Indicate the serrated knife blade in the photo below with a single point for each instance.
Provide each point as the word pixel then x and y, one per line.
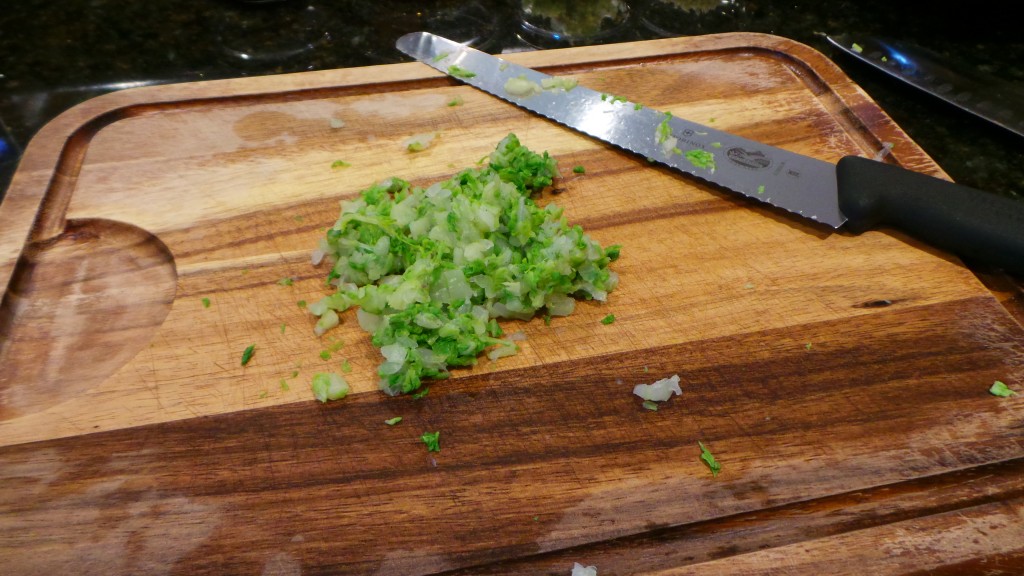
pixel 858 193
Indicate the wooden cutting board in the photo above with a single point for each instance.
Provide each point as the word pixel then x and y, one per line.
pixel 841 381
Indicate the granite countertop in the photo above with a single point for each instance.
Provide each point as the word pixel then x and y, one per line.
pixel 52 58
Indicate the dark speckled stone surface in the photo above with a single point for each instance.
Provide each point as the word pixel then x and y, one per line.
pixel 54 55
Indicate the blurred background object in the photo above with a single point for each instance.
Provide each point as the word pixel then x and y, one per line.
pixel 52 59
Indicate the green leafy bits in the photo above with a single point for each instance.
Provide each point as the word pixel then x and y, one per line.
pixel 206 302
pixel 440 56
pixel 340 164
pixel 329 386
pixel 579 170
pixel 460 72
pixel 286 281
pixel 608 319
pixel 432 440
pixel 701 158
pixel 521 87
pixel 431 271
pixel 393 421
pixel 708 458
pixel 248 353
pixel 457 101
pixel 1000 389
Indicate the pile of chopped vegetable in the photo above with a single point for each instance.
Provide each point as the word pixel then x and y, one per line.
pixel 431 270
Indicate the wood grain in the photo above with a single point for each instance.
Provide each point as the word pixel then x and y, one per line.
pixel 841 381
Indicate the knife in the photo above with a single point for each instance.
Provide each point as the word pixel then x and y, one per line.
pixel 987 97
pixel 856 193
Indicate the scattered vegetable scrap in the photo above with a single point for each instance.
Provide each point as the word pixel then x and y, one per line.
pixel 432 440
pixel 559 83
pixel 420 142
pixel 708 458
pixel 760 189
pixel 432 270
pixel 421 393
pixel 440 56
pixel 337 123
pixel 704 159
pixel 579 170
pixel 581 570
pixel 659 391
pixel 393 421
pixel 301 303
pixel 460 72
pixel 286 281
pixel 1002 390
pixel 325 355
pixel 248 353
pixel 206 302
pixel 608 319
pixel 340 164
pixel 457 101
pixel 329 386
pixel 650 405
pixel 346 366
pixel 521 87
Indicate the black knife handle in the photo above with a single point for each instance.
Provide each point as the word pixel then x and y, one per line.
pixel 978 226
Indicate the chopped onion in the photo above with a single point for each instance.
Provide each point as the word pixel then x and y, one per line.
pixel 581 570
pixel 659 391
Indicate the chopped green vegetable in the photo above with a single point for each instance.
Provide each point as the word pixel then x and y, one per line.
pixel 460 72
pixel 708 458
pixel 807 346
pixel 604 97
pixel 663 136
pixel 299 218
pixel 579 170
pixel 432 440
pixel 618 99
pixel 295 373
pixel 701 158
pixel 440 56
pixel 301 303
pixel 608 319
pixel 521 87
pixel 457 101
pixel 286 282
pixel 716 144
pixel 638 106
pixel 503 66
pixel 650 405
pixel 247 354
pixel 420 142
pixel 329 386
pixel 885 59
pixel 263 393
pixel 283 326
pixel 423 392
pixel 393 421
pixel 1002 390
pixel 346 366
pixel 432 270
pixel 559 83
pixel 760 189
pixel 206 302
pixel 340 164
pixel 325 355
pixel 336 345
pixel 857 48
pixel 284 385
